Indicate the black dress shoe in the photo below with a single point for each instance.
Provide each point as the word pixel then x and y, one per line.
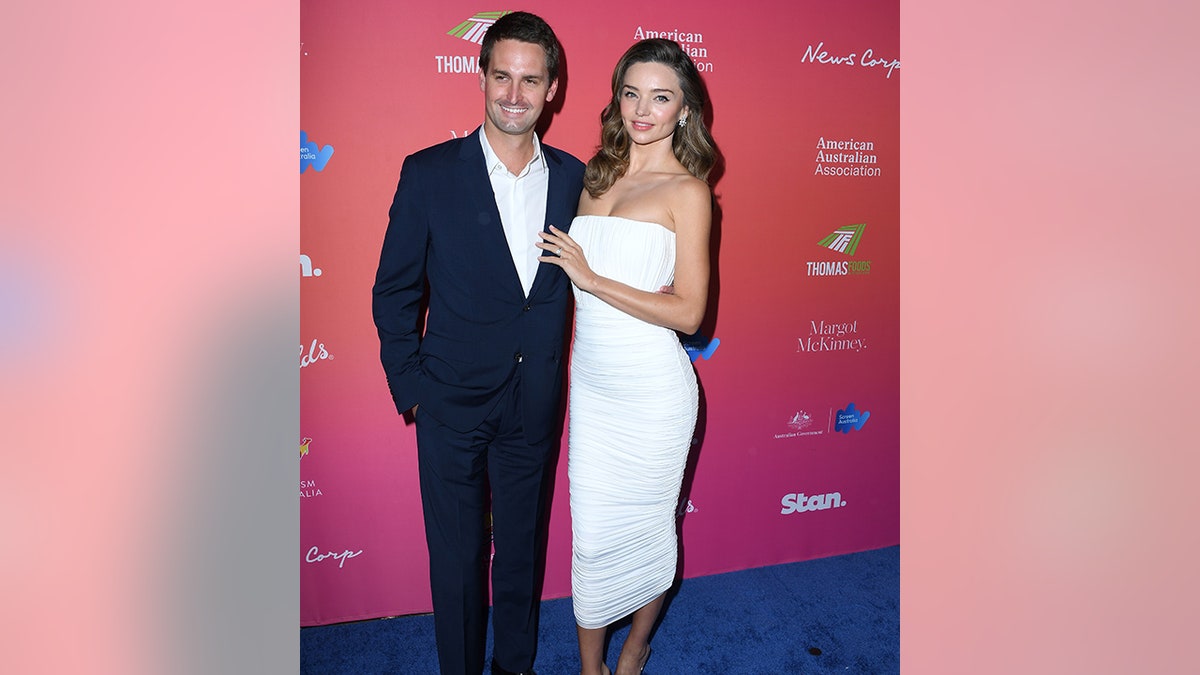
pixel 497 670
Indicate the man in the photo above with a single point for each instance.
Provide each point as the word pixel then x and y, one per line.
pixel 485 380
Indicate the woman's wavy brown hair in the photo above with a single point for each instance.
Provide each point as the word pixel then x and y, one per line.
pixel 693 145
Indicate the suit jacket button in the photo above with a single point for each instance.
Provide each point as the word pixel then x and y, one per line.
pixel 526 308
pixel 519 357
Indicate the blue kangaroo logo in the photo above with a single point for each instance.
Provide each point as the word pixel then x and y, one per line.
pixel 700 346
pixel 310 155
pixel 853 419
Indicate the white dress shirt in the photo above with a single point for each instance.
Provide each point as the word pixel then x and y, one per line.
pixel 521 200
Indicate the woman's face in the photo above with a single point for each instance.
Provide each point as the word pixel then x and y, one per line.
pixel 651 102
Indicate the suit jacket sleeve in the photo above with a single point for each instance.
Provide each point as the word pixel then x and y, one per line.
pixel 399 287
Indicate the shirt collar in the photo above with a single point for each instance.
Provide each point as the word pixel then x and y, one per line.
pixel 493 161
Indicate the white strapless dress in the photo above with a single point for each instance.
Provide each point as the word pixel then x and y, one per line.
pixel 633 398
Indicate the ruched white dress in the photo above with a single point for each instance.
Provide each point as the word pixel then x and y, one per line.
pixel 633 398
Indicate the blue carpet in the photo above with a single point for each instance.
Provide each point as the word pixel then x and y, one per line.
pixel 832 615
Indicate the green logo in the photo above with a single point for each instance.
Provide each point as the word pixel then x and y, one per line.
pixel 844 239
pixel 473 29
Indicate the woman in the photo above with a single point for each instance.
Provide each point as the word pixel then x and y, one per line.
pixel 643 223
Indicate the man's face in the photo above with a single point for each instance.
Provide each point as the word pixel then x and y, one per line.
pixel 516 87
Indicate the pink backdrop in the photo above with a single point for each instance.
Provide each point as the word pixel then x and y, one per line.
pixel 805 109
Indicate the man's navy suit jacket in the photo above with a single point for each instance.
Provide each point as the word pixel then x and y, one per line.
pixel 444 227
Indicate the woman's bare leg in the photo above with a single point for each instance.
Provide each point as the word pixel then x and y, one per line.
pixel 636 649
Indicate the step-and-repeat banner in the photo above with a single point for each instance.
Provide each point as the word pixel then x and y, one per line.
pixel 797 448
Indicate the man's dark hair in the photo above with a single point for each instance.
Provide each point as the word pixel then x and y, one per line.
pixel 524 27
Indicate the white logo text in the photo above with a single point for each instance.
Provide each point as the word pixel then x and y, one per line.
pixel 306 267
pixel 798 502
pixel 342 557
pixel 819 55
pixel 316 352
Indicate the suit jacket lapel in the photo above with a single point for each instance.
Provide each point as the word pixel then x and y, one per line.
pixel 554 196
pixel 480 188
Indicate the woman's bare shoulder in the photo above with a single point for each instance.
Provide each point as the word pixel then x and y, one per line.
pixel 687 189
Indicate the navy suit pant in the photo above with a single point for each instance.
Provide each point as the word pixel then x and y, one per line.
pixel 456 470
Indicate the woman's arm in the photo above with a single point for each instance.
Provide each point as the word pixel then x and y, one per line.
pixel 690 206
